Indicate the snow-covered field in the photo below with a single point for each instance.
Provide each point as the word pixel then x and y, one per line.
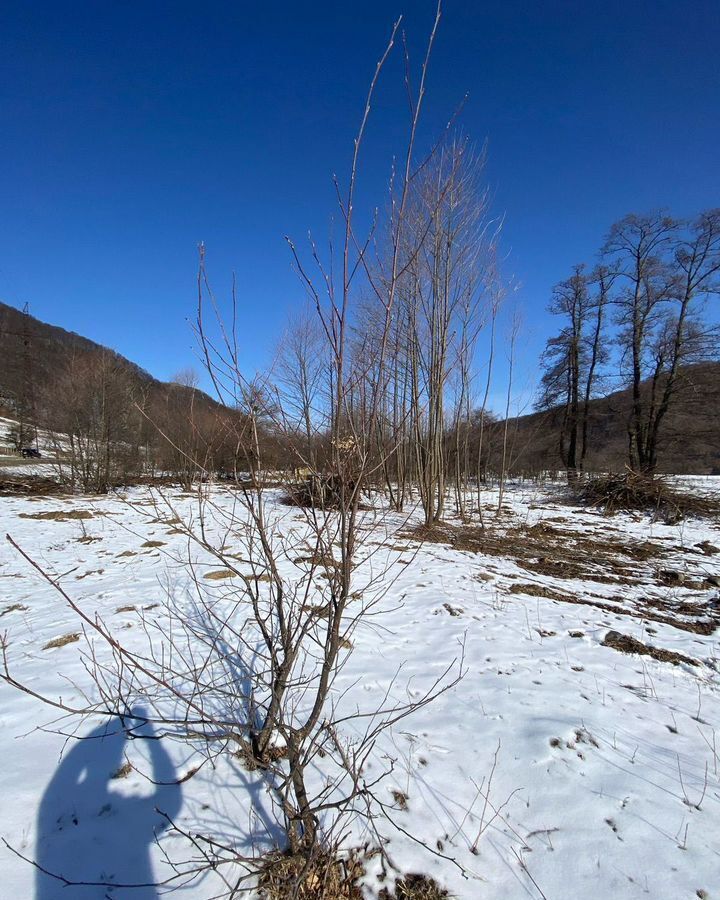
pixel 558 767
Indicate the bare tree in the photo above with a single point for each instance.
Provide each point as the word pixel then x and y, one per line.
pixel 664 274
pixel 94 422
pixel 514 331
pixel 571 360
pixel 443 293
pixel 252 668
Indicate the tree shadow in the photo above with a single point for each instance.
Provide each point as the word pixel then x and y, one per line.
pixel 98 838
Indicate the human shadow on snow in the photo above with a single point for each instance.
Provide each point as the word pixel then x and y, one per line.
pixel 97 838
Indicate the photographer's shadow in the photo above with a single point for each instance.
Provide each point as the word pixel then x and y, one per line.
pixel 94 843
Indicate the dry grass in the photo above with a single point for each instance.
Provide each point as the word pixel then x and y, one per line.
pixel 415 887
pixel 58 515
pixel 14 607
pixel 219 574
pixel 401 800
pixel 705 618
pixel 627 644
pixel 62 641
pixel 319 876
pixel 547 550
pixel 631 491
pixel 30 487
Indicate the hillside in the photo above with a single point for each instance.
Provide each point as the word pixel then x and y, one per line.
pixel 690 442
pixel 33 354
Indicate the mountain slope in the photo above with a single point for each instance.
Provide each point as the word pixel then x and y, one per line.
pixel 33 354
pixel 690 436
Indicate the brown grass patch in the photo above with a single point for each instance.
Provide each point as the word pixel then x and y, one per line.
pixel 453 610
pixel 627 644
pixel 14 607
pixel 632 491
pixel 153 544
pixel 219 574
pixel 707 548
pixel 58 515
pixel 321 610
pixel 88 573
pixel 706 621
pixel 320 560
pixel 401 800
pixel 415 887
pixel 33 487
pixel 317 876
pixel 538 590
pixel 123 771
pixel 62 641
pixel 547 550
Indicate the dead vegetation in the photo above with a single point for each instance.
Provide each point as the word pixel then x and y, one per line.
pixel 58 515
pixel 547 550
pixel 62 641
pixel 632 491
pixel 36 486
pixel 705 622
pixel 14 607
pixel 627 644
pixel 415 887
pixel 317 876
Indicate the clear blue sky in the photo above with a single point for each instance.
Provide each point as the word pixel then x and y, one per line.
pixel 130 132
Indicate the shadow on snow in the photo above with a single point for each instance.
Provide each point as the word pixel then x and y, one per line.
pixel 88 832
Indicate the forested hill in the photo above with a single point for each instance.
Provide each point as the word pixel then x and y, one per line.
pixel 689 442
pixel 33 355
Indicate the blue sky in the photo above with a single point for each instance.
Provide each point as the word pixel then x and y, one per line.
pixel 130 132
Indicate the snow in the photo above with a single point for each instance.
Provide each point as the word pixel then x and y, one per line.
pixel 557 767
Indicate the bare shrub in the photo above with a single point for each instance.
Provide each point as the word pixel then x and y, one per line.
pixel 630 491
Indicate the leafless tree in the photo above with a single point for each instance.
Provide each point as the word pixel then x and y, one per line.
pixel 514 332
pixel 93 422
pixel 251 667
pixel 666 267
pixel 572 357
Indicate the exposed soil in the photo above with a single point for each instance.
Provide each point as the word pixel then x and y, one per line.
pixel 627 644
pixel 706 625
pixel 548 550
pixel 58 515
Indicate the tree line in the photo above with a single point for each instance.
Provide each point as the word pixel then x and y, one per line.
pixel 645 300
pixel 419 379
